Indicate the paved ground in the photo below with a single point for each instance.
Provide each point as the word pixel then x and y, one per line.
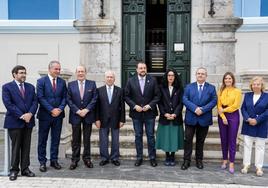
pixel 129 176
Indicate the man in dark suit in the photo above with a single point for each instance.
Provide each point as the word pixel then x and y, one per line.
pixel 110 115
pixel 81 98
pixel 51 94
pixel 142 95
pixel 20 101
pixel 199 99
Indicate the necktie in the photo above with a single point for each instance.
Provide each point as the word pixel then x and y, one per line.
pixel 54 84
pixel 81 89
pixel 22 92
pixel 142 85
pixel 110 94
pixel 200 90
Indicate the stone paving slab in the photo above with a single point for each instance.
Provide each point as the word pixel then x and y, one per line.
pixel 24 182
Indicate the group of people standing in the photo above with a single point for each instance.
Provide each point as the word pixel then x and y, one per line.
pixel 105 106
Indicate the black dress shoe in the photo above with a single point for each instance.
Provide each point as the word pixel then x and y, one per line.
pixel 138 162
pixel 185 165
pixel 88 164
pixel 28 173
pixel 43 168
pixel 55 165
pixel 199 164
pixel 104 162
pixel 13 176
pixel 153 162
pixel 116 162
pixel 73 165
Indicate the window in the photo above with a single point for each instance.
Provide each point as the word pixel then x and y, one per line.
pixel 250 8
pixel 33 9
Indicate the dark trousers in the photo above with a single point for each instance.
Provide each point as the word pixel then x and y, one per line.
pixel 21 144
pixel 104 144
pixel 55 125
pixel 228 135
pixel 76 141
pixel 201 133
pixel 149 129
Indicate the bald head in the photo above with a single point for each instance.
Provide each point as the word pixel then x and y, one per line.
pixel 81 72
pixel 109 77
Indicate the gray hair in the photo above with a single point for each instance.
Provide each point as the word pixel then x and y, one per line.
pixel 203 68
pixel 109 72
pixel 51 63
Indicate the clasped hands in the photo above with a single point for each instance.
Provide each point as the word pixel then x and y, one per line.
pixel 170 116
pixel 142 109
pixel 252 121
pixel 198 111
pixel 26 117
pixel 83 112
pixel 56 112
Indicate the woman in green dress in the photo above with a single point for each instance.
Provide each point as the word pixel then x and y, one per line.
pixel 169 136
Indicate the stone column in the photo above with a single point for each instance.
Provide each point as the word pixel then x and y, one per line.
pixel 95 40
pixel 66 132
pixel 214 38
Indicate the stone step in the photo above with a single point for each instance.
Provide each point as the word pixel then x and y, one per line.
pixel 130 153
pixel 128 130
pixel 129 142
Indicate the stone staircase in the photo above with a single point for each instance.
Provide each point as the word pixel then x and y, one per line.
pixel 212 147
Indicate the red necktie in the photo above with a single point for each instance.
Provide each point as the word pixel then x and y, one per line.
pixel 22 92
pixel 54 84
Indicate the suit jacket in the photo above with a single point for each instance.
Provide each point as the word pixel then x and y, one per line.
pixel 170 104
pixel 112 114
pixel 16 105
pixel 134 96
pixel 207 102
pixel 259 111
pixel 48 99
pixel 76 103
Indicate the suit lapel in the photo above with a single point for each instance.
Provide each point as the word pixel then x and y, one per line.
pixel 146 84
pixel 105 94
pixel 16 88
pixel 138 84
pixel 50 84
pixel 259 100
pixel 114 94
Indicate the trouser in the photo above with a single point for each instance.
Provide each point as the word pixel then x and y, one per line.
pixel 104 143
pixel 76 141
pixel 259 150
pixel 55 125
pixel 228 134
pixel 149 129
pixel 21 144
pixel 201 133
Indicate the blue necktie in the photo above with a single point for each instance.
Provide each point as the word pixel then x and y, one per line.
pixel 200 90
pixel 110 94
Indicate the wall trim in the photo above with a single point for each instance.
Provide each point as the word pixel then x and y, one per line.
pixel 254 24
pixel 37 26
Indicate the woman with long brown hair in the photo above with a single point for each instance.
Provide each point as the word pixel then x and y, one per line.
pixel 229 99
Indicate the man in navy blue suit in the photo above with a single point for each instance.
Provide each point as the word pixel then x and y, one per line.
pixel 81 98
pixel 199 99
pixel 20 101
pixel 142 94
pixel 51 94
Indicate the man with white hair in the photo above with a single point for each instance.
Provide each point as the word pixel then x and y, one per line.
pixel 110 115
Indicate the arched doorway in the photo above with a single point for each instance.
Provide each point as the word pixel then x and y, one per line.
pixel 159 33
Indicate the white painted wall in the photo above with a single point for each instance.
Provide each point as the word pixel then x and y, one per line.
pixel 252 45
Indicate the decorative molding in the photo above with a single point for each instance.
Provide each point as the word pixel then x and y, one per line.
pixel 219 24
pixel 37 26
pixel 254 24
pixel 95 26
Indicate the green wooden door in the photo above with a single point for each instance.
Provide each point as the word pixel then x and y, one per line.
pixel 179 37
pixel 133 37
